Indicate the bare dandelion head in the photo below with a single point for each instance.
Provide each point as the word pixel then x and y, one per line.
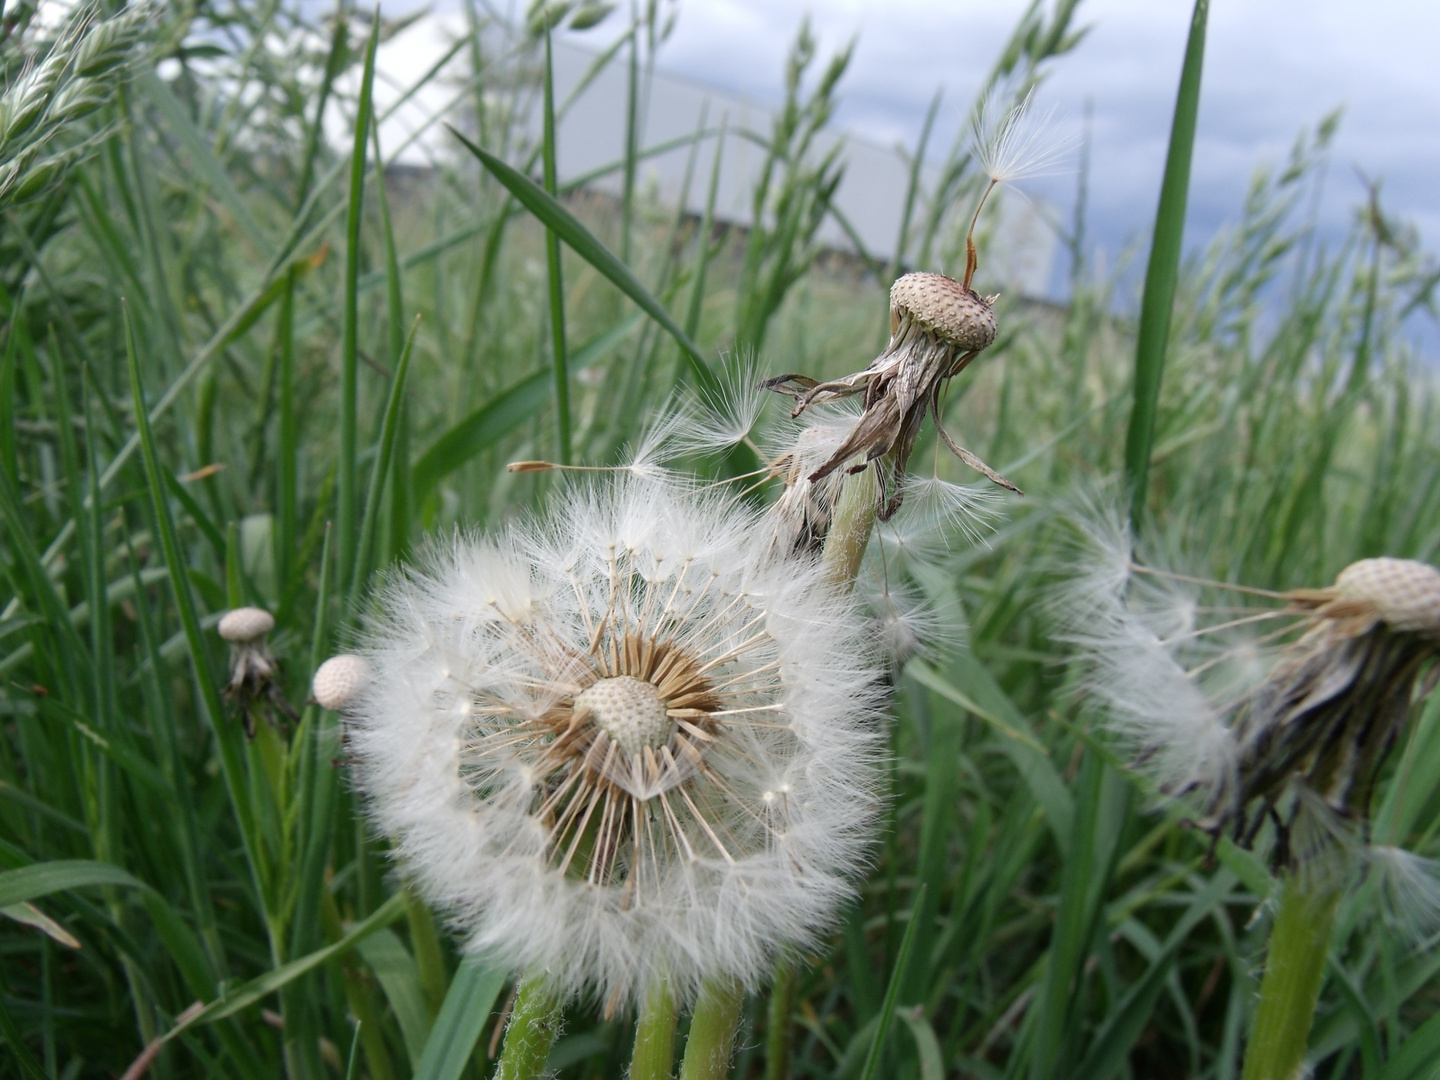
pixel 253 670
pixel 619 745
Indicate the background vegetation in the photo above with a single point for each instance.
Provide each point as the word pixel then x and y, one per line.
pixel 242 367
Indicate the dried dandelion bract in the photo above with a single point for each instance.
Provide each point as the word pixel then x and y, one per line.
pixel 1257 705
pixel 620 745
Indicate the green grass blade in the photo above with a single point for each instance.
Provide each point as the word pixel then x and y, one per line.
pixel 346 478
pixel 243 997
pixel 1128 1018
pixel 927 1045
pixel 892 992
pixel 584 243
pixel 226 734
pixel 1162 273
pixel 383 455
pixel 395 969
pixel 42 879
pixel 504 413
pixel 552 266
pixel 395 330
pixel 1415 1060
pixel 461 1021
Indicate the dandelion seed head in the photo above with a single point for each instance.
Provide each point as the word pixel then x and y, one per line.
pixel 655 758
pixel 1261 706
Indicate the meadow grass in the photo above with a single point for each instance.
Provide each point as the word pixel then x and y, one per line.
pixel 241 367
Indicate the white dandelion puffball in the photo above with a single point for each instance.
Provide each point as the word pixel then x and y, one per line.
pixel 619 744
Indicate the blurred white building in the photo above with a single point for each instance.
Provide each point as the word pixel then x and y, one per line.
pixel 591 136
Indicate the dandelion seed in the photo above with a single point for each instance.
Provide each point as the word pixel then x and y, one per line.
pixel 1013 142
pixel 726 417
pixel 620 745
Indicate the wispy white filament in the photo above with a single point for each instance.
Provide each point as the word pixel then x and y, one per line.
pixel 548 844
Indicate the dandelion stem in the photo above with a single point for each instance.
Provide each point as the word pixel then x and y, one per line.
pixel 712 1031
pixel 1294 969
pixel 781 1036
pixel 850 530
pixel 534 1024
pixel 655 1036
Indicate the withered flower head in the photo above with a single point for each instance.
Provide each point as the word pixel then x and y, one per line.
pixel 937 326
pixel 253 670
pixel 1292 725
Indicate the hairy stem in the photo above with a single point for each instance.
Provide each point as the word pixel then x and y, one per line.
pixel 850 529
pixel 534 1024
pixel 655 1036
pixel 1294 970
pixel 781 1035
pixel 712 1031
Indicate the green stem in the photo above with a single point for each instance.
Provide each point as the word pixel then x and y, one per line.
pixel 780 1037
pixel 1294 970
pixel 655 1036
pixel 850 529
pixel 712 1031
pixel 534 1024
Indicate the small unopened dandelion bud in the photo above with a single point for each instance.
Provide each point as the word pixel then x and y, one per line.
pixel 956 315
pixel 1405 593
pixel 246 624
pixel 338 680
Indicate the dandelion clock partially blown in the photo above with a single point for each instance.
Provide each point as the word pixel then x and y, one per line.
pixel 620 745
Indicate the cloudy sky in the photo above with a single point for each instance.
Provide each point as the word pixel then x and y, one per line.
pixel 1271 70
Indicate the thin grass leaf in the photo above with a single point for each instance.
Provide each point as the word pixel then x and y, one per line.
pixel 1158 300
pixel 462 1020
pixel 32 882
pixel 892 994
pixel 242 997
pixel 552 266
pixel 225 734
pixel 346 476
pixel 504 413
pixel 384 453
pixel 555 217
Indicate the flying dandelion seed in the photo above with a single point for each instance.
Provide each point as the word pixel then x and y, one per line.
pixel 619 745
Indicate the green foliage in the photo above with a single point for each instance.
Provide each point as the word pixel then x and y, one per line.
pixel 214 391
